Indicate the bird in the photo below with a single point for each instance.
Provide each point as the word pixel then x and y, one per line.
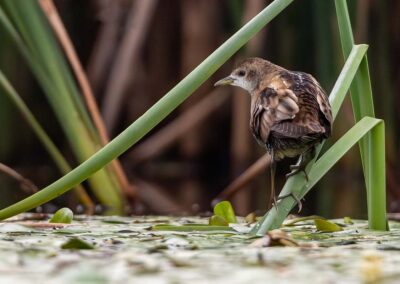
pixel 290 113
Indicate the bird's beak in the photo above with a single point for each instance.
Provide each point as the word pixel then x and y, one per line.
pixel 226 81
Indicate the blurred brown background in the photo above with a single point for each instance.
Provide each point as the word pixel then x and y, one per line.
pixel 135 51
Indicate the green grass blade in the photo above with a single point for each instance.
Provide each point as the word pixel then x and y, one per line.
pixel 361 93
pixel 377 219
pixel 273 219
pixel 346 77
pixel 345 30
pixel 362 103
pixel 153 116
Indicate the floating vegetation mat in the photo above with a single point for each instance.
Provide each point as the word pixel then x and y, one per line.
pixel 148 250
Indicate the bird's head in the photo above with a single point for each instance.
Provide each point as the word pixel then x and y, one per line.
pixel 248 74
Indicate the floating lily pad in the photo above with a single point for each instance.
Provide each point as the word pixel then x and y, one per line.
pixel 218 221
pixel 327 226
pixel 76 243
pixel 192 228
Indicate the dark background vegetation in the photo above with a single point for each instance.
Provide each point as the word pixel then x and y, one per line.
pixel 156 43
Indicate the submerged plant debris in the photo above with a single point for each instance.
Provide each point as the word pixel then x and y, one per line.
pixel 129 250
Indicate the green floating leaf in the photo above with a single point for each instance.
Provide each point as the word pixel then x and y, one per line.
pixel 76 243
pixel 115 220
pixel 348 221
pixel 294 221
pixel 71 231
pixel 225 210
pixel 326 226
pixel 64 215
pixel 191 228
pixel 217 221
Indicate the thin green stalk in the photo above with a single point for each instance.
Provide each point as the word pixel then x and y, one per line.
pixel 377 219
pixel 363 105
pixel 51 148
pixel 347 41
pixel 274 218
pixel 152 116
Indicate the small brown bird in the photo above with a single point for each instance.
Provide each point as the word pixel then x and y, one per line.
pixel 290 112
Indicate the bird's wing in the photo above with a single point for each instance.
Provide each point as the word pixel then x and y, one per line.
pixel 292 130
pixel 291 105
pixel 314 116
pixel 269 107
pixel 305 83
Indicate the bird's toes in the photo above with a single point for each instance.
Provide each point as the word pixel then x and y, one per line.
pixel 292 173
pixel 296 169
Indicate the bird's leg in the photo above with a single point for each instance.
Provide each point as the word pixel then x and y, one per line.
pixel 298 167
pixel 272 198
pixel 302 162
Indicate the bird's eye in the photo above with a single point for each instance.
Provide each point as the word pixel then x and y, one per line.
pixel 241 73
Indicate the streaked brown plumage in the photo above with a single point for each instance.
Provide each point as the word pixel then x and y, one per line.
pixel 290 112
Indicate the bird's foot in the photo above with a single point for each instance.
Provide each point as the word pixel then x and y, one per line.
pixel 298 201
pixel 295 169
